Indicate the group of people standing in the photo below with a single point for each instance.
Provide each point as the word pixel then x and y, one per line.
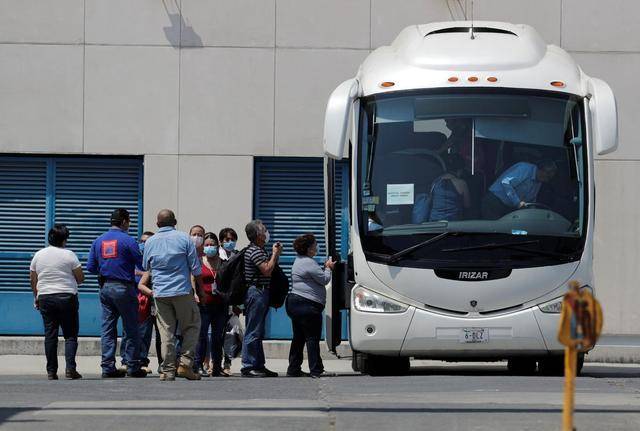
pixel 168 280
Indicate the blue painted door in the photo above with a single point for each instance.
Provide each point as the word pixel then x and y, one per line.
pixel 35 193
pixel 289 199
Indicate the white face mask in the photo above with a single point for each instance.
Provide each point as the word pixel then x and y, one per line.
pixel 197 240
pixel 267 237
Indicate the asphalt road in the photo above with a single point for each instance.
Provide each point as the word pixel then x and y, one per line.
pixel 436 396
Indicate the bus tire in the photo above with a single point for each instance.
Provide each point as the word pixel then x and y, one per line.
pixel 521 366
pixel 554 365
pixel 356 361
pixel 375 365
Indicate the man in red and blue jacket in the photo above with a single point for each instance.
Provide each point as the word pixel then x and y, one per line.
pixel 113 257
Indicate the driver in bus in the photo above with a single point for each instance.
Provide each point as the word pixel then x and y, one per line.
pixel 516 187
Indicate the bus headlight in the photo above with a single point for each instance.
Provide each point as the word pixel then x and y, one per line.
pixel 555 305
pixel 365 300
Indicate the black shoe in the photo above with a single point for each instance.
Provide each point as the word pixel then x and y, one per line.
pixel 253 373
pixel 52 376
pixel 268 373
pixel 138 374
pixel 317 376
pixel 72 374
pixel 298 373
pixel 115 374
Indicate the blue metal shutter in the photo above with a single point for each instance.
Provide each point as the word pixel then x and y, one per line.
pixel 23 216
pixel 87 191
pixel 289 199
pixel 35 193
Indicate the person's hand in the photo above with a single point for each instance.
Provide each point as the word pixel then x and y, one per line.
pixel 236 310
pixel 36 304
pixel 330 264
pixel 277 249
pixel 522 204
pixel 197 298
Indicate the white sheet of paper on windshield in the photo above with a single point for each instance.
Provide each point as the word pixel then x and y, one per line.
pixel 399 194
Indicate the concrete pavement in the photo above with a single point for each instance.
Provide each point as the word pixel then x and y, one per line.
pixel 436 396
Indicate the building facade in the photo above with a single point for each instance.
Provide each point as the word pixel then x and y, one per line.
pixel 214 108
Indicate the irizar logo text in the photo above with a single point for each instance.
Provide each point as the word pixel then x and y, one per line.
pixel 473 275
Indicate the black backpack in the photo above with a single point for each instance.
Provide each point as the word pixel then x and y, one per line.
pixel 278 287
pixel 231 280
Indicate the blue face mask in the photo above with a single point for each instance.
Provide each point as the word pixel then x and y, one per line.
pixel 141 247
pixel 229 246
pixel 211 250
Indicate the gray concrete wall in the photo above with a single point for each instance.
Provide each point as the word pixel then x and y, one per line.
pixel 199 87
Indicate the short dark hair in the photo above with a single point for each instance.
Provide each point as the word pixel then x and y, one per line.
pixel 147 233
pixel 197 226
pixel 547 164
pixel 228 231
pixel 303 243
pixel 252 229
pixel 119 217
pixel 58 234
pixel 211 235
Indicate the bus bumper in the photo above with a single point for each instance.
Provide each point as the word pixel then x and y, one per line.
pixel 424 334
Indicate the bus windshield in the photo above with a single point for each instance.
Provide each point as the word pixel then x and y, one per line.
pixel 486 166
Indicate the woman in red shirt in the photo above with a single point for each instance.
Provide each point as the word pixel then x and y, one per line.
pixel 213 310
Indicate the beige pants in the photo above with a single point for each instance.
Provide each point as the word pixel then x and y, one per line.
pixel 170 311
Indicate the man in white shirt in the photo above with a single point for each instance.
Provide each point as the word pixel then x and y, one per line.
pixel 55 273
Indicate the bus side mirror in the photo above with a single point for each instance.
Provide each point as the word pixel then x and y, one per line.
pixel 604 114
pixel 336 119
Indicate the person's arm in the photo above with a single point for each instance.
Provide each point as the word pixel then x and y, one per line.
pixel 143 285
pixel 196 268
pixel 512 178
pixel 266 267
pixel 321 275
pixel 76 268
pixel 92 262
pixel 463 189
pixel 134 249
pixel 33 278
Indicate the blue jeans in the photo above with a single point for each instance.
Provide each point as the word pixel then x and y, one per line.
pixel 256 307
pixel 214 315
pixel 119 300
pixel 146 330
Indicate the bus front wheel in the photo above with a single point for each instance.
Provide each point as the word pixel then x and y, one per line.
pixel 376 365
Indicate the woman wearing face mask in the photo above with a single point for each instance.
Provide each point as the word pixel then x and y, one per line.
pixel 213 310
pixel 228 239
pixel 233 338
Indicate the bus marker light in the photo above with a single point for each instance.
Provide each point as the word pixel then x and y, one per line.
pixel 473 79
pixel 453 79
pixel 387 84
pixel 492 79
pixel 558 84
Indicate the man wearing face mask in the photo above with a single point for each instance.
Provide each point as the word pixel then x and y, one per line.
pixel 113 257
pixel 171 258
pixel 258 267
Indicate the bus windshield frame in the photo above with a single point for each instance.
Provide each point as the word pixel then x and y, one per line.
pixel 508 127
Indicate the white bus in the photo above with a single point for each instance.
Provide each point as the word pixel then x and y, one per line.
pixel 472 194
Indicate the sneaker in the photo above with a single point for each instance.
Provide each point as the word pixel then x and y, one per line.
pixel 123 367
pixel 52 376
pixel 298 373
pixel 269 373
pixel 138 374
pixel 147 370
pixel 253 373
pixel 187 373
pixel 167 377
pixel 226 370
pixel 72 374
pixel 115 374
pixel 317 376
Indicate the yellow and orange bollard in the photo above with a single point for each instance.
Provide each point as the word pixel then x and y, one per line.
pixel 580 327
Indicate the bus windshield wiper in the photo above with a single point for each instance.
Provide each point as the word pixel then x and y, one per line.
pixel 515 245
pixel 399 255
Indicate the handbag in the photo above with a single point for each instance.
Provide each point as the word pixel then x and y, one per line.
pixel 278 287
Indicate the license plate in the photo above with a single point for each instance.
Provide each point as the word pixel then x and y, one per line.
pixel 474 335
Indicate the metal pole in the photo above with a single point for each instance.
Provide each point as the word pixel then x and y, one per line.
pixel 570 364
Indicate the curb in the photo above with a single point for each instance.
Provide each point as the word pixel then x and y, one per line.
pixel 90 346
